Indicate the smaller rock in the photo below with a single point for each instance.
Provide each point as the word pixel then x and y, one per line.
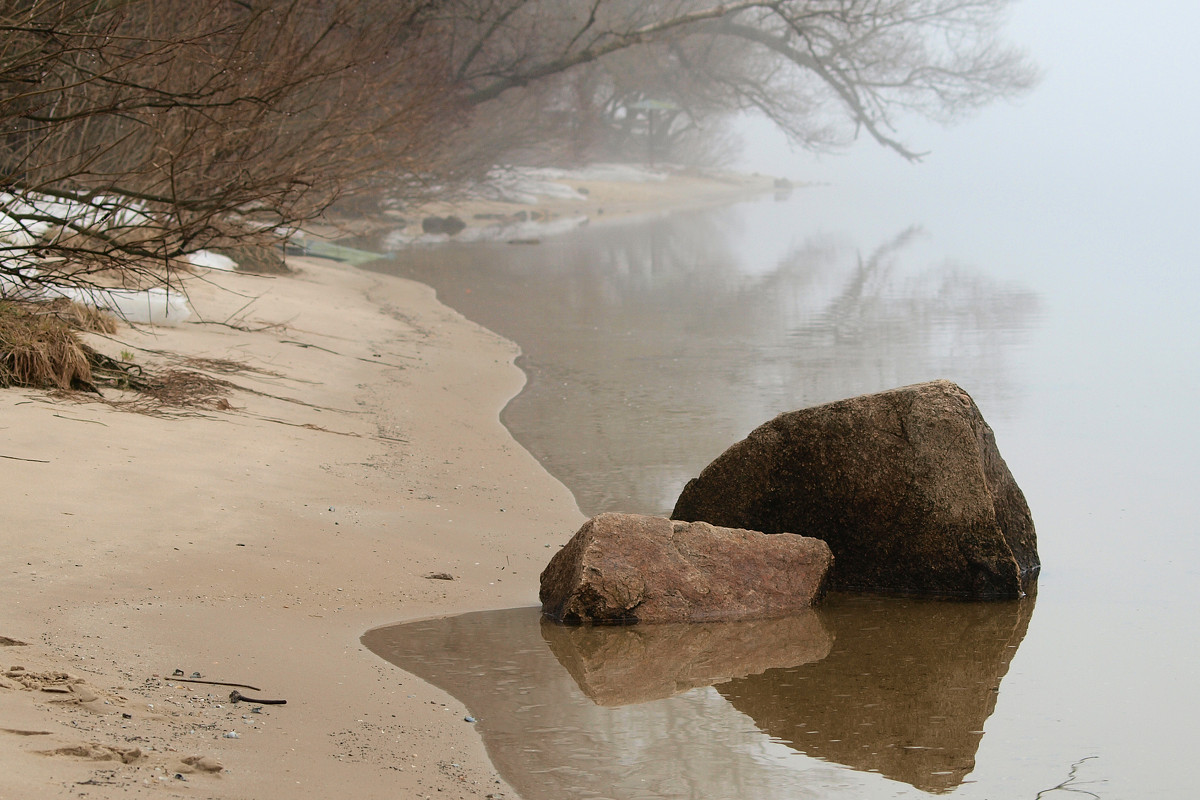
pixel 627 568
pixel 453 225
pixel 450 225
pixel 440 576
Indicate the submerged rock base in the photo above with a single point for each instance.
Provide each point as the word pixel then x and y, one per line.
pixel 906 486
pixel 627 568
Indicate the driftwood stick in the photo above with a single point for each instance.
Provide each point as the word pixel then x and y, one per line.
pixel 216 683
pixel 236 696
pixel 32 460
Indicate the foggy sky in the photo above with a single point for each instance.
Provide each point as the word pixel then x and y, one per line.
pixel 1118 106
pixel 1091 181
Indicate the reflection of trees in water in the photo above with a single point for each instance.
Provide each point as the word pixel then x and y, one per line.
pixel 897 686
pixel 652 347
pixel 890 325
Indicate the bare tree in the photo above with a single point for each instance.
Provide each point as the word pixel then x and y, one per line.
pixel 823 70
pixel 135 131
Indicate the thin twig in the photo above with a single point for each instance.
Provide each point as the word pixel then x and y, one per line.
pixel 32 460
pixel 1065 786
pixel 343 355
pixel 242 328
pixel 242 308
pixel 73 419
pixel 306 425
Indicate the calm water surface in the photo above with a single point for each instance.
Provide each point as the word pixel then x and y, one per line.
pixel 863 698
pixel 652 346
pixel 1045 257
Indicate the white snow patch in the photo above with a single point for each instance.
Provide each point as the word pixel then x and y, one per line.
pixel 155 306
pixel 26 220
pixel 211 260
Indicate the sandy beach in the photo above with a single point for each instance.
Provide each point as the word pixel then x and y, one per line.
pixel 254 539
pixel 256 545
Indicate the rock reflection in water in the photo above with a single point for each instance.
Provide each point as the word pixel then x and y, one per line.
pixel 903 689
pixel 621 665
pixel 904 692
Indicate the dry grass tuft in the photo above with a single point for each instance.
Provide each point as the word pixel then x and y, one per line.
pixel 81 317
pixel 40 350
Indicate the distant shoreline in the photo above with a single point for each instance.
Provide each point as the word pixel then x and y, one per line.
pixel 528 204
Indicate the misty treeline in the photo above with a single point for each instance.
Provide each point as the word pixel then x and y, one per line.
pixel 133 132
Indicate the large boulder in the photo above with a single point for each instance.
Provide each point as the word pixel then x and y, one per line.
pixel 627 568
pixel 906 486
